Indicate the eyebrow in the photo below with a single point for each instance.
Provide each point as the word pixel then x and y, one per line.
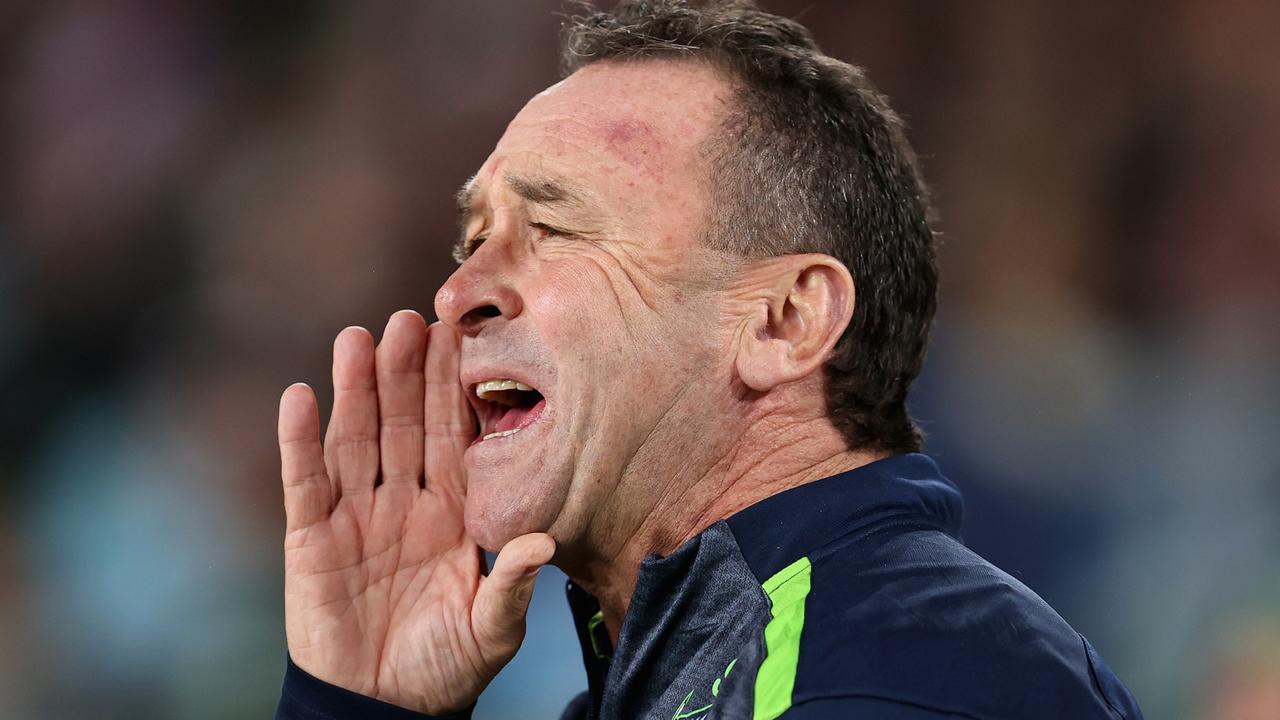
pixel 533 189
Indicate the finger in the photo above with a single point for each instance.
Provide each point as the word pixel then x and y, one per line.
pixel 400 357
pixel 308 497
pixel 449 425
pixel 502 601
pixel 351 442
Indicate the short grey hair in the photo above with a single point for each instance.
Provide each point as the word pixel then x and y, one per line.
pixel 811 160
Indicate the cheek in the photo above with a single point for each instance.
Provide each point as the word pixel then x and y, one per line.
pixel 580 307
pixel 602 323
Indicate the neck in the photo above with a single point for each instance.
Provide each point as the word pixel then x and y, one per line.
pixel 771 456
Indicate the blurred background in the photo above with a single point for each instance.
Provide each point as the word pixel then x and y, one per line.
pixel 195 197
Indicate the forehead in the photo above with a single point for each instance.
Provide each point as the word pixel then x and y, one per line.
pixel 627 130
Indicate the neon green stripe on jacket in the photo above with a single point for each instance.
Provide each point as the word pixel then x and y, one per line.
pixel 776 678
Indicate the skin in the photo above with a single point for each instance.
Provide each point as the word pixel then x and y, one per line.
pixel 681 386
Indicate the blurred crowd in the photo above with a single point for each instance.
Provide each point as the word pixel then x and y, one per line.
pixel 195 197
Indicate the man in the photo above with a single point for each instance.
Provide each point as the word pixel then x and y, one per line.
pixel 696 282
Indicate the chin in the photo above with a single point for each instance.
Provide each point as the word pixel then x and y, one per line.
pixel 494 521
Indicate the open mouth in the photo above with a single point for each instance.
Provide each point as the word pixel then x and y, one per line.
pixel 505 407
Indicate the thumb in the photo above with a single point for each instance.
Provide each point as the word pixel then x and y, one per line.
pixel 497 616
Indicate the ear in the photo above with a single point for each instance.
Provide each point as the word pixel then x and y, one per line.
pixel 797 307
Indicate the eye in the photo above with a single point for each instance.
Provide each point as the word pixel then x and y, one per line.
pixel 469 247
pixel 548 230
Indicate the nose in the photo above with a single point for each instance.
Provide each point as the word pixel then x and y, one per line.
pixel 479 292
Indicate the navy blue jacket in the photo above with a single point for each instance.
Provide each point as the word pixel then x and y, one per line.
pixel 847 597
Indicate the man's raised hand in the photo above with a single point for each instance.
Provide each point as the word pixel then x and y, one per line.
pixel 384 591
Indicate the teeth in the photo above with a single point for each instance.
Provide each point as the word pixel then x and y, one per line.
pixel 486 388
pixel 491 386
pixel 504 433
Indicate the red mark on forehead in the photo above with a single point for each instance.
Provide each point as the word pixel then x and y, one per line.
pixel 622 132
pixel 635 142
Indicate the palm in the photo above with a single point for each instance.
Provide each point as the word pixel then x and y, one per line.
pixel 382 585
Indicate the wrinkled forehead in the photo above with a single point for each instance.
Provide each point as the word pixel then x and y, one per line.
pixel 622 128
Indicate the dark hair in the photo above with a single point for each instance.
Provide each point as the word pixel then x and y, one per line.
pixel 812 160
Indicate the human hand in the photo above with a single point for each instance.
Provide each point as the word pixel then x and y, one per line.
pixel 384 592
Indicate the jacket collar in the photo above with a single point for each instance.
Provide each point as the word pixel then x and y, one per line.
pixel 776 531
pixel 782 528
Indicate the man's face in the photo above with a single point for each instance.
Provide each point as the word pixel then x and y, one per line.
pixel 586 280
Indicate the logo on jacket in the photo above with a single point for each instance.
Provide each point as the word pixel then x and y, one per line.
pixel 701 712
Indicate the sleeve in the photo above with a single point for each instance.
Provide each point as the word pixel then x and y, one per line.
pixel 861 706
pixel 305 697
